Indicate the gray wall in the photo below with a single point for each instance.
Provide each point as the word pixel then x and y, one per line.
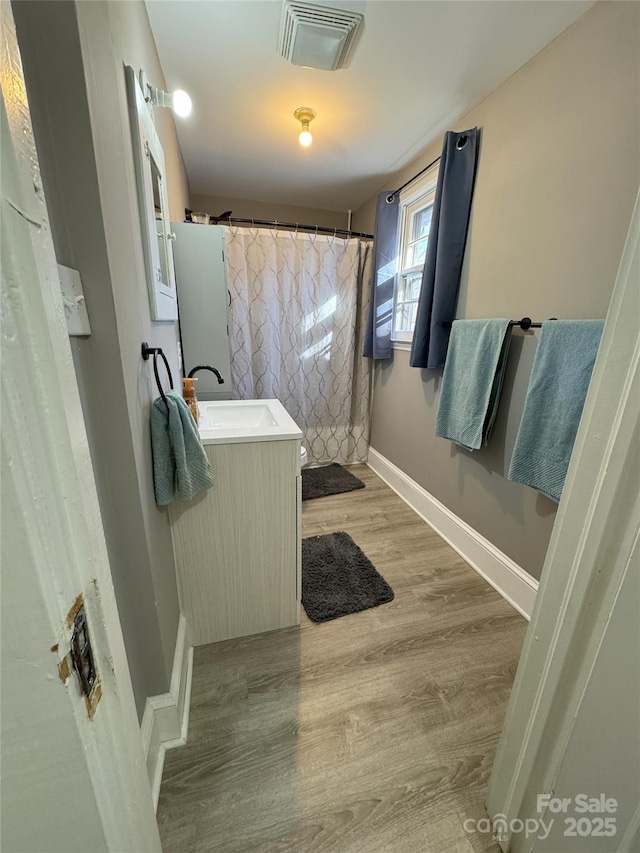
pixel 73 56
pixel 558 173
pixel 246 209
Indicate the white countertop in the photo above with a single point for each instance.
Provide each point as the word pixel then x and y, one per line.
pixel 236 421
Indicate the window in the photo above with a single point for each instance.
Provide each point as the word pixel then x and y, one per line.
pixel 415 224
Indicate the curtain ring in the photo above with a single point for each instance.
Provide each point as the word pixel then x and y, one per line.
pixel 460 144
pixel 296 231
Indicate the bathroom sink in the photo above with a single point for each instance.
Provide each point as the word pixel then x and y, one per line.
pixel 227 421
pixel 236 415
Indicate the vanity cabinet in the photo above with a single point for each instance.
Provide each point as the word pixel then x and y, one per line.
pixel 238 546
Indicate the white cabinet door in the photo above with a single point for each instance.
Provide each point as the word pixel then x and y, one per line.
pixel 203 301
pixel 237 548
pixel 153 204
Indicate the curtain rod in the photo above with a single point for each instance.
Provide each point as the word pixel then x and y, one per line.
pixel 391 196
pixel 296 226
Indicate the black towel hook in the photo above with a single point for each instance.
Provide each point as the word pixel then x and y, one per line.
pixel 155 352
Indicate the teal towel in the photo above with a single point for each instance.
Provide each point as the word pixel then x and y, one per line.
pixel 558 386
pixel 180 464
pixel 472 381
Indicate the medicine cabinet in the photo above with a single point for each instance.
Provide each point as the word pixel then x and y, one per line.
pixel 153 205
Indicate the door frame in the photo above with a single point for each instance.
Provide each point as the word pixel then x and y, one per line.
pixel 589 553
pixel 90 788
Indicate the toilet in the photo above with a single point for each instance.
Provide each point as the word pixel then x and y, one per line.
pixel 304 458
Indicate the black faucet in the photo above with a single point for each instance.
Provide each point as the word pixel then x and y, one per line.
pixel 198 367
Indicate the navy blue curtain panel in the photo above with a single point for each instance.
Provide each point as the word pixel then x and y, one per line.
pixel 377 339
pixel 445 251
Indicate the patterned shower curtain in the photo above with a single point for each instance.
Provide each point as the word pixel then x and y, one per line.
pixel 296 331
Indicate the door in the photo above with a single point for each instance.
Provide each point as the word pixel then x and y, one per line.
pixel 73 774
pixel 572 725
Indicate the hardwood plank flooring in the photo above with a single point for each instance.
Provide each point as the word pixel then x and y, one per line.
pixel 374 733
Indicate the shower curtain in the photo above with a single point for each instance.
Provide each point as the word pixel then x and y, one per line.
pixel 296 329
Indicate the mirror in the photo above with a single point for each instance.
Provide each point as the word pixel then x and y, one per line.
pixel 160 220
pixel 153 205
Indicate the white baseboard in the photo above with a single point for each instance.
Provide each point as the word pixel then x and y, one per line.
pixel 165 722
pixel 512 582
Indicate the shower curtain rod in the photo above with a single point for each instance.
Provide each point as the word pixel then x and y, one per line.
pixel 391 196
pixel 296 226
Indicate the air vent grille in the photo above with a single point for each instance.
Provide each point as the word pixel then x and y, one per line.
pixel 317 36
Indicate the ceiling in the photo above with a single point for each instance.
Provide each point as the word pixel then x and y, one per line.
pixel 416 69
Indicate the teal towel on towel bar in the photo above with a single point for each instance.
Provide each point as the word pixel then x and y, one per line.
pixel 180 464
pixel 553 406
pixel 472 381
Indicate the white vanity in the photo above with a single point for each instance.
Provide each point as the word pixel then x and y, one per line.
pixel 238 546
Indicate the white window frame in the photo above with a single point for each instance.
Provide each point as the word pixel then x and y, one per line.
pixel 412 200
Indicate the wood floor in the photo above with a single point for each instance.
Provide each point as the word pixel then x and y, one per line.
pixel 374 733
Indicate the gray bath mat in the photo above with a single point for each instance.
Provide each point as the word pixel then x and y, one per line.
pixel 328 480
pixel 338 579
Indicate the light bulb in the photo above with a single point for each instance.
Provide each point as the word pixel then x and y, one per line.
pixel 181 103
pixel 304 115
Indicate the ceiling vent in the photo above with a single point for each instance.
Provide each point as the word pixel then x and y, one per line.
pixel 317 36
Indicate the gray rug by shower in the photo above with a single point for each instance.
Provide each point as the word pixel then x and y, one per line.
pixel 328 480
pixel 338 579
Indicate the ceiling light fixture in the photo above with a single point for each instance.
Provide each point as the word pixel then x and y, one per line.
pixel 305 115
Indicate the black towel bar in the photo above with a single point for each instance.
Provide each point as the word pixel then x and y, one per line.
pixel 527 323
pixel 155 352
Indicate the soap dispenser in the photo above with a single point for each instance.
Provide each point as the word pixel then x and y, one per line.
pixel 189 395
